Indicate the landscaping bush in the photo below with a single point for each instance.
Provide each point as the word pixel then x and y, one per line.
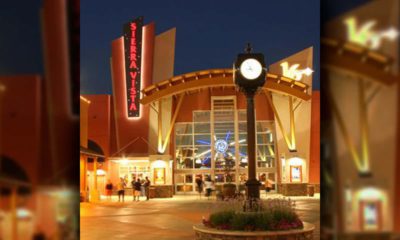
pixel 272 215
pixel 222 220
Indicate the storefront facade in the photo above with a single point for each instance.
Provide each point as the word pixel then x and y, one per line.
pixel 194 125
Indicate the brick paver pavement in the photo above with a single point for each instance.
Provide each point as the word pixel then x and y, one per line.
pixel 169 219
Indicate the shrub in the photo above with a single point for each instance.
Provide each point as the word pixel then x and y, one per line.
pixel 222 220
pixel 273 214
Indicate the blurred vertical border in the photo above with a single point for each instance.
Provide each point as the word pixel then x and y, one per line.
pixel 360 119
pixel 39 114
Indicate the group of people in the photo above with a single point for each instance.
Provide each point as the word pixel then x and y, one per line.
pixel 139 188
pixel 208 184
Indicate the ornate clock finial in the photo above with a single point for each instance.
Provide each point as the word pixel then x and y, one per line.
pixel 248 48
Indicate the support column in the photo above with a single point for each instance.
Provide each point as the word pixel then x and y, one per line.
pixel 94 193
pixel 160 144
pixel 13 208
pixel 253 185
pixel 237 155
pixel 85 193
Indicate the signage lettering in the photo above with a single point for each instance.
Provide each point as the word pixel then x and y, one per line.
pixel 365 35
pixel 133 43
pixel 294 73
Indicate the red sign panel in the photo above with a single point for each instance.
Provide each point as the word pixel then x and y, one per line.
pixel 133 52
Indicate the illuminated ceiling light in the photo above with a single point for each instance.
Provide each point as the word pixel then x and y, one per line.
pixel 198 161
pixel 295 161
pixel 370 193
pixel 23 213
pixel 159 164
pixel 100 172
pixel 161 150
pixel 83 98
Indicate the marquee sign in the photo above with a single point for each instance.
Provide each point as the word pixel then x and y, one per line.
pixel 133 52
pixel 293 72
pixel 365 35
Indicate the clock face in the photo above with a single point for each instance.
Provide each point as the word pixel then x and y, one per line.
pixel 251 68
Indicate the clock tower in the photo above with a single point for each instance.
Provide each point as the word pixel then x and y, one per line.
pixel 249 75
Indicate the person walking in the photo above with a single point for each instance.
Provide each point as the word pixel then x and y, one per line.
pixel 199 184
pixel 133 188
pixel 137 186
pixel 147 188
pixel 121 189
pixel 208 187
pixel 268 185
pixel 109 188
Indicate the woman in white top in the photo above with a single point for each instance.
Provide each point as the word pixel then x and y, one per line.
pixel 208 186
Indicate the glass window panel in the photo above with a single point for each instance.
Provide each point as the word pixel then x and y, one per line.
pixel 242 115
pixel 203 139
pixel 184 188
pixel 264 138
pixel 266 162
pixel 224 127
pixel 189 178
pixel 202 128
pixel 219 178
pixel 242 178
pixel 183 128
pixel 265 150
pixel 243 138
pixel 243 161
pixel 243 127
pixel 223 116
pixel 179 178
pixel 201 116
pixel 184 152
pixel 184 163
pixel 264 126
pixel 262 177
pixel 202 162
pixel 183 140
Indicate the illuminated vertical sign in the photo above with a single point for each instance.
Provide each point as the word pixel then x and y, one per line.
pixel 133 52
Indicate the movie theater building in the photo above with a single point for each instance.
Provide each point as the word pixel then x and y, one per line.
pixel 174 129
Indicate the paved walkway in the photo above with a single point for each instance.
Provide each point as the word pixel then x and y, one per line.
pixel 160 219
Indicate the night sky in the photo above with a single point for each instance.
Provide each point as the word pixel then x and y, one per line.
pixel 209 33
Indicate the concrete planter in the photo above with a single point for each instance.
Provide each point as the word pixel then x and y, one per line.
pixel 205 233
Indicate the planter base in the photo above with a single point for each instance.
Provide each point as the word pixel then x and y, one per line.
pixel 205 233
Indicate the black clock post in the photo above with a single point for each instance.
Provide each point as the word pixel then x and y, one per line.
pixel 249 74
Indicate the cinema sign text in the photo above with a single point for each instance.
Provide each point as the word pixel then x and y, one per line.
pixel 133 52
pixel 365 34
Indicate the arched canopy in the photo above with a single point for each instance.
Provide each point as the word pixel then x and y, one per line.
pixel 94 147
pixel 11 173
pixel 219 78
pixel 357 61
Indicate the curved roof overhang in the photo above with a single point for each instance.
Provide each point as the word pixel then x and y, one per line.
pixel 357 61
pixel 219 78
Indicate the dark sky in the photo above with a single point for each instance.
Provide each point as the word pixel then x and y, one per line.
pixel 209 33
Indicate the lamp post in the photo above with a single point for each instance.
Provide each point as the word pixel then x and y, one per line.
pixel 249 74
